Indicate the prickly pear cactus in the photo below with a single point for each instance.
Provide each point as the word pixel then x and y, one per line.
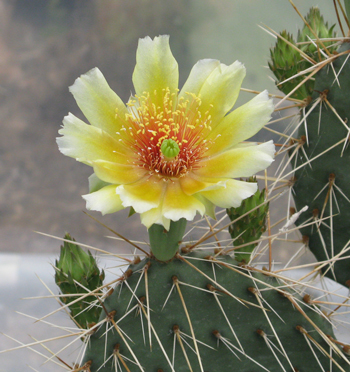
pixel 77 274
pixel 201 313
pixel 322 163
pixel 203 306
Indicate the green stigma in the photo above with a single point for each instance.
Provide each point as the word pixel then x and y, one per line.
pixel 170 149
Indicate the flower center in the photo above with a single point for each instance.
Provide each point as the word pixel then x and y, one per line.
pixel 170 149
pixel 168 140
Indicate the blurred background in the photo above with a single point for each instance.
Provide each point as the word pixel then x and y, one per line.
pixel 44 46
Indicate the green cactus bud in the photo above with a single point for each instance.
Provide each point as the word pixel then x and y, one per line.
pixel 286 63
pixel 320 28
pixel 75 267
pixel 250 227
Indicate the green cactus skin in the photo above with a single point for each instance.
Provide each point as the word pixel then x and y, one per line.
pixel 249 228
pixel 75 265
pixel 210 288
pixel 334 167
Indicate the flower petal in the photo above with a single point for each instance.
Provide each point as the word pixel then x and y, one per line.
pixel 96 184
pixel 232 194
pixel 153 216
pixel 156 68
pixel 98 102
pixel 209 206
pixel 117 173
pixel 198 75
pixel 220 90
pixel 240 161
pixel 178 205
pixel 142 195
pixel 87 143
pixel 242 123
pixel 191 184
pixel 104 200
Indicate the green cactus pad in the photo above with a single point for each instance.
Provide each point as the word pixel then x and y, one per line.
pixel 207 314
pixel 325 185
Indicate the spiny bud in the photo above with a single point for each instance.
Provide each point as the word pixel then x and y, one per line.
pixel 78 273
pixel 249 228
pixel 290 57
pixel 320 28
pixel 285 64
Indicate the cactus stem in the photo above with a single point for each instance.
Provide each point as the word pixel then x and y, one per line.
pixel 165 244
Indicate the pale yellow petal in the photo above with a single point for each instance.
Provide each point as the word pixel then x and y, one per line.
pixel 98 102
pixel 198 75
pixel 178 205
pixel 220 90
pixel 142 195
pixel 192 184
pixel 104 200
pixel 209 206
pixel 96 183
pixel 87 143
pixel 155 216
pixel 241 124
pixel 156 68
pixel 117 173
pixel 243 161
pixel 232 194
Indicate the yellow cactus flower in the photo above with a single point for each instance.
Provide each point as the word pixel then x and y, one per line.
pixel 168 153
